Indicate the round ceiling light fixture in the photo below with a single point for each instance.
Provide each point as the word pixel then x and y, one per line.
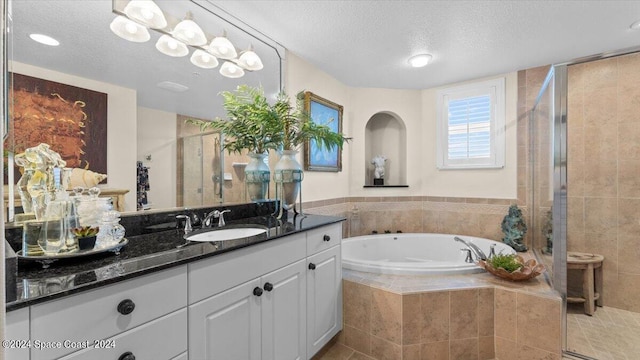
pixel 44 39
pixel 635 25
pixel 420 60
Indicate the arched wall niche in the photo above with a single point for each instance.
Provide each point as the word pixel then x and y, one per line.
pixel 386 134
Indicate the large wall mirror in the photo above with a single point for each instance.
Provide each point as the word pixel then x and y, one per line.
pixel 149 95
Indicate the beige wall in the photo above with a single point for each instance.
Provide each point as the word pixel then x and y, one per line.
pixel 604 163
pixel 417 110
pixel 121 126
pixel 156 137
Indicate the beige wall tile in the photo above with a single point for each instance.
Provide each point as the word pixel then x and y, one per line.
pixel 386 315
pixel 506 349
pixel 411 319
pixel 629 291
pixel 357 305
pixel 628 174
pixel 463 314
pixel 600 107
pixel 463 349
pixel 486 348
pixel 575 224
pixel 545 314
pixel 334 352
pixel 411 352
pixel 435 316
pixel 600 74
pixel 601 216
pixel 629 141
pixel 435 351
pixel 357 339
pixel 575 178
pixel 505 314
pixel 385 350
pixel 629 104
pixel 486 317
pixel 530 353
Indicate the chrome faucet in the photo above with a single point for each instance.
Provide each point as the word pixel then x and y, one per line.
pixel 217 214
pixel 480 255
pixel 187 223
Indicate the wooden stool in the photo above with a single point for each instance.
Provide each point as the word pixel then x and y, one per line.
pixel 589 264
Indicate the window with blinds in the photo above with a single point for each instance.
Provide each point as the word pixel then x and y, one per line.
pixel 471 126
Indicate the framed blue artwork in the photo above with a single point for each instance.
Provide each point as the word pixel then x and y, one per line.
pixel 327 113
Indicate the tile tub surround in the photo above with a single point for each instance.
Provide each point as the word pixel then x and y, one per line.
pixel 451 317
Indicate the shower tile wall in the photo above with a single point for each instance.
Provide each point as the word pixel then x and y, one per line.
pixel 604 171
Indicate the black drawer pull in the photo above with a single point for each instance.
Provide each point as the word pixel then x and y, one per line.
pixel 326 238
pixel 312 266
pixel 127 356
pixel 126 307
pixel 257 291
pixel 268 286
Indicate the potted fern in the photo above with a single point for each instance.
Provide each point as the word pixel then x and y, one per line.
pixel 251 125
pixel 297 128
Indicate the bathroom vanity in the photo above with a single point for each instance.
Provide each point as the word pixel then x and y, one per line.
pixel 273 296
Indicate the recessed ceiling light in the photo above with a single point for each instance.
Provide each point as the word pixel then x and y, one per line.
pixel 171 86
pixel 635 25
pixel 44 39
pixel 420 60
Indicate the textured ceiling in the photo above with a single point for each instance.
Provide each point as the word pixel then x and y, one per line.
pixel 367 43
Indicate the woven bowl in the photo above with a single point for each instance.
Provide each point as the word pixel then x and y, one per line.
pixel 529 270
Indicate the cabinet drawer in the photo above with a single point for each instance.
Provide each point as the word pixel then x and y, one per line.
pixel 161 339
pixel 95 315
pixel 212 276
pixel 17 331
pixel 323 238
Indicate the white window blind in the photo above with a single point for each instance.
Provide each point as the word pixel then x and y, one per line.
pixel 471 126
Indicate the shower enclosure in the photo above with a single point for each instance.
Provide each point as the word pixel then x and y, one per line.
pixel 200 166
pixel 584 147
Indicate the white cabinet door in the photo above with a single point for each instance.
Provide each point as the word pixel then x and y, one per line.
pixel 284 313
pixel 324 298
pixel 227 326
pixel 17 332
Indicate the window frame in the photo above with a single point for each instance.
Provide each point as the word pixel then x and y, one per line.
pixel 495 89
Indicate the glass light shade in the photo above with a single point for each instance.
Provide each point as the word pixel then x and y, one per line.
pixel 420 60
pixel 222 48
pixel 250 61
pixel 231 70
pixel 172 47
pixel 203 59
pixel 189 32
pixel 129 30
pixel 146 12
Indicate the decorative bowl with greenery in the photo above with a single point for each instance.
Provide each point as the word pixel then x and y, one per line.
pixel 512 267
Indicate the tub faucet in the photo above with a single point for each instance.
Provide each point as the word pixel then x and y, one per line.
pixel 480 255
pixel 217 214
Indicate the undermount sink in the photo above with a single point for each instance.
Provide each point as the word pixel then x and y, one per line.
pixel 226 234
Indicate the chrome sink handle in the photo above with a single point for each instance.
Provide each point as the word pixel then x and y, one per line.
pixel 220 215
pixel 187 224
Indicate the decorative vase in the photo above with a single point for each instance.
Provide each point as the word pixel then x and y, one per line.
pixel 288 176
pixel 257 177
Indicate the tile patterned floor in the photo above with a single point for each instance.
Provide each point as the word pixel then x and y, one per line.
pixel 610 334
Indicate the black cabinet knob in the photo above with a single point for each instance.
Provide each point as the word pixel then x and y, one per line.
pixel 326 238
pixel 127 356
pixel 126 307
pixel 312 266
pixel 257 291
pixel 268 286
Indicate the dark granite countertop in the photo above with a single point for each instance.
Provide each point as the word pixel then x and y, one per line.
pixel 144 254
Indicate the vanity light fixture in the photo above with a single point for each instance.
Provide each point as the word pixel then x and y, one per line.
pixel 231 70
pixel 222 48
pixel 250 60
pixel 203 59
pixel 172 47
pixel 146 12
pixel 129 30
pixel 189 32
pixel 44 39
pixel 420 60
pixel 135 17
